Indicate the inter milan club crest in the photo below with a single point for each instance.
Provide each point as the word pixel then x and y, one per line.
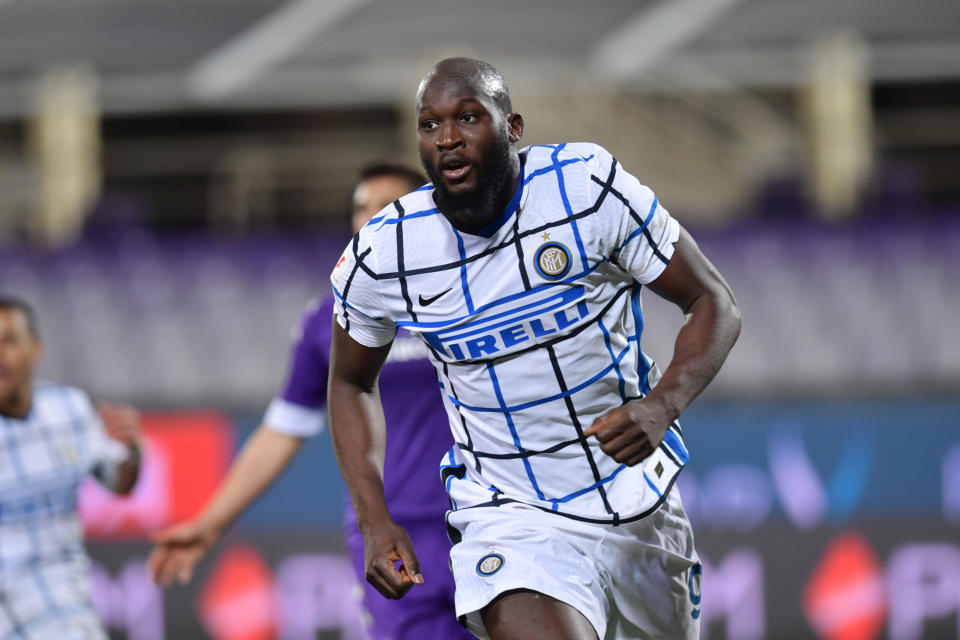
pixel 552 260
pixel 490 564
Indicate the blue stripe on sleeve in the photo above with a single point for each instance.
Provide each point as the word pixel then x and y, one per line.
pixel 408 216
pixel 643 227
pixel 676 446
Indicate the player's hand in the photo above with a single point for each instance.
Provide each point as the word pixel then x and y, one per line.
pixel 121 422
pixel 383 547
pixel 177 552
pixel 632 431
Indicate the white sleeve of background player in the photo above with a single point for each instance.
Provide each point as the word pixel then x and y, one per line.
pixel 293 419
pixel 106 454
pixel 359 307
pixel 298 410
pixel 645 230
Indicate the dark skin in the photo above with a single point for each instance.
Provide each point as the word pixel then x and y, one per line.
pixel 523 614
pixel 456 127
pixel 631 432
pixel 359 437
pixel 458 118
pixel 20 351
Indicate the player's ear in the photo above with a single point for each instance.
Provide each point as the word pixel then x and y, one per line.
pixel 515 127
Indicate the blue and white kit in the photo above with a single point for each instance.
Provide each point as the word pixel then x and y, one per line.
pixel 540 313
pixel 44 572
pixel 534 328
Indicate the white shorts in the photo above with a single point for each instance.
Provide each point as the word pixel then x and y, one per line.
pixel 635 580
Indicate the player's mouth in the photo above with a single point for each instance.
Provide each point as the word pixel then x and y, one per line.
pixel 454 169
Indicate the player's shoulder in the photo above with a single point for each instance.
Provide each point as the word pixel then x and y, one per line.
pixel 69 398
pixel 47 389
pixel 586 156
pixel 375 245
pixel 381 227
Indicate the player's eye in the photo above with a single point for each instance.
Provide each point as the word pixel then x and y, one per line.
pixel 469 117
pixel 428 125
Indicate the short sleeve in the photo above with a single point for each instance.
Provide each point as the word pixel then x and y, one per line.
pixel 642 231
pixel 106 454
pixel 298 409
pixel 358 307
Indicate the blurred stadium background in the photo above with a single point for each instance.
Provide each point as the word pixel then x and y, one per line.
pixel 174 185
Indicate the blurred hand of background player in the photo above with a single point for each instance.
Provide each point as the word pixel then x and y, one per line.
pixel 383 547
pixel 178 550
pixel 181 547
pixel 121 422
pixel 632 431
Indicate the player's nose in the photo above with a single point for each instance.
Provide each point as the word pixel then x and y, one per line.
pixel 449 136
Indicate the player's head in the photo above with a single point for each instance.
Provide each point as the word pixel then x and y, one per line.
pixel 467 131
pixel 379 185
pixel 20 349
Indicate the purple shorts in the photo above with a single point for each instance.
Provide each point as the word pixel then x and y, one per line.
pixel 427 610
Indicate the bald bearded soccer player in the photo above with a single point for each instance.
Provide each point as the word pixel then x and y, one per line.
pixel 521 271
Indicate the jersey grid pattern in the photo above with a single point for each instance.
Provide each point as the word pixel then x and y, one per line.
pixel 48 453
pixel 512 241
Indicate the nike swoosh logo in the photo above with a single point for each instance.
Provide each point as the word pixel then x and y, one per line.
pixel 426 301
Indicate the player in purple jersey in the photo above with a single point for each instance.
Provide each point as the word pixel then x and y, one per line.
pixel 418 431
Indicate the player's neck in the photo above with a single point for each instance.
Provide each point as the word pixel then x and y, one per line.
pixel 16 405
pixel 475 218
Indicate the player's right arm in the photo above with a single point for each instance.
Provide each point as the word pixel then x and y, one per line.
pixel 181 547
pixel 359 437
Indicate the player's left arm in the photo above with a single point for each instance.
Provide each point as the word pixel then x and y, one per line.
pixel 634 430
pixel 122 425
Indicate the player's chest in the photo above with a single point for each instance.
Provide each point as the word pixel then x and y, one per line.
pixel 505 296
pixel 40 461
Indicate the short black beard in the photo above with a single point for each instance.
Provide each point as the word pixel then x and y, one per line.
pixel 480 200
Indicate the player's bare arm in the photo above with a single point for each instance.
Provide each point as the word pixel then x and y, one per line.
pixel 359 436
pixel 633 431
pixel 181 547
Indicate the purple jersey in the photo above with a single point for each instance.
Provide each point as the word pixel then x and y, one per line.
pixel 418 433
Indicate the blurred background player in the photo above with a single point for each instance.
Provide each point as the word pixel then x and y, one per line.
pixel 50 438
pixel 418 431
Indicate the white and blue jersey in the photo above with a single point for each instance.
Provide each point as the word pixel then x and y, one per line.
pixel 44 581
pixel 533 326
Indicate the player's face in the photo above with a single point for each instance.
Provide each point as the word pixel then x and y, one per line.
pixel 372 195
pixel 19 353
pixel 464 141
